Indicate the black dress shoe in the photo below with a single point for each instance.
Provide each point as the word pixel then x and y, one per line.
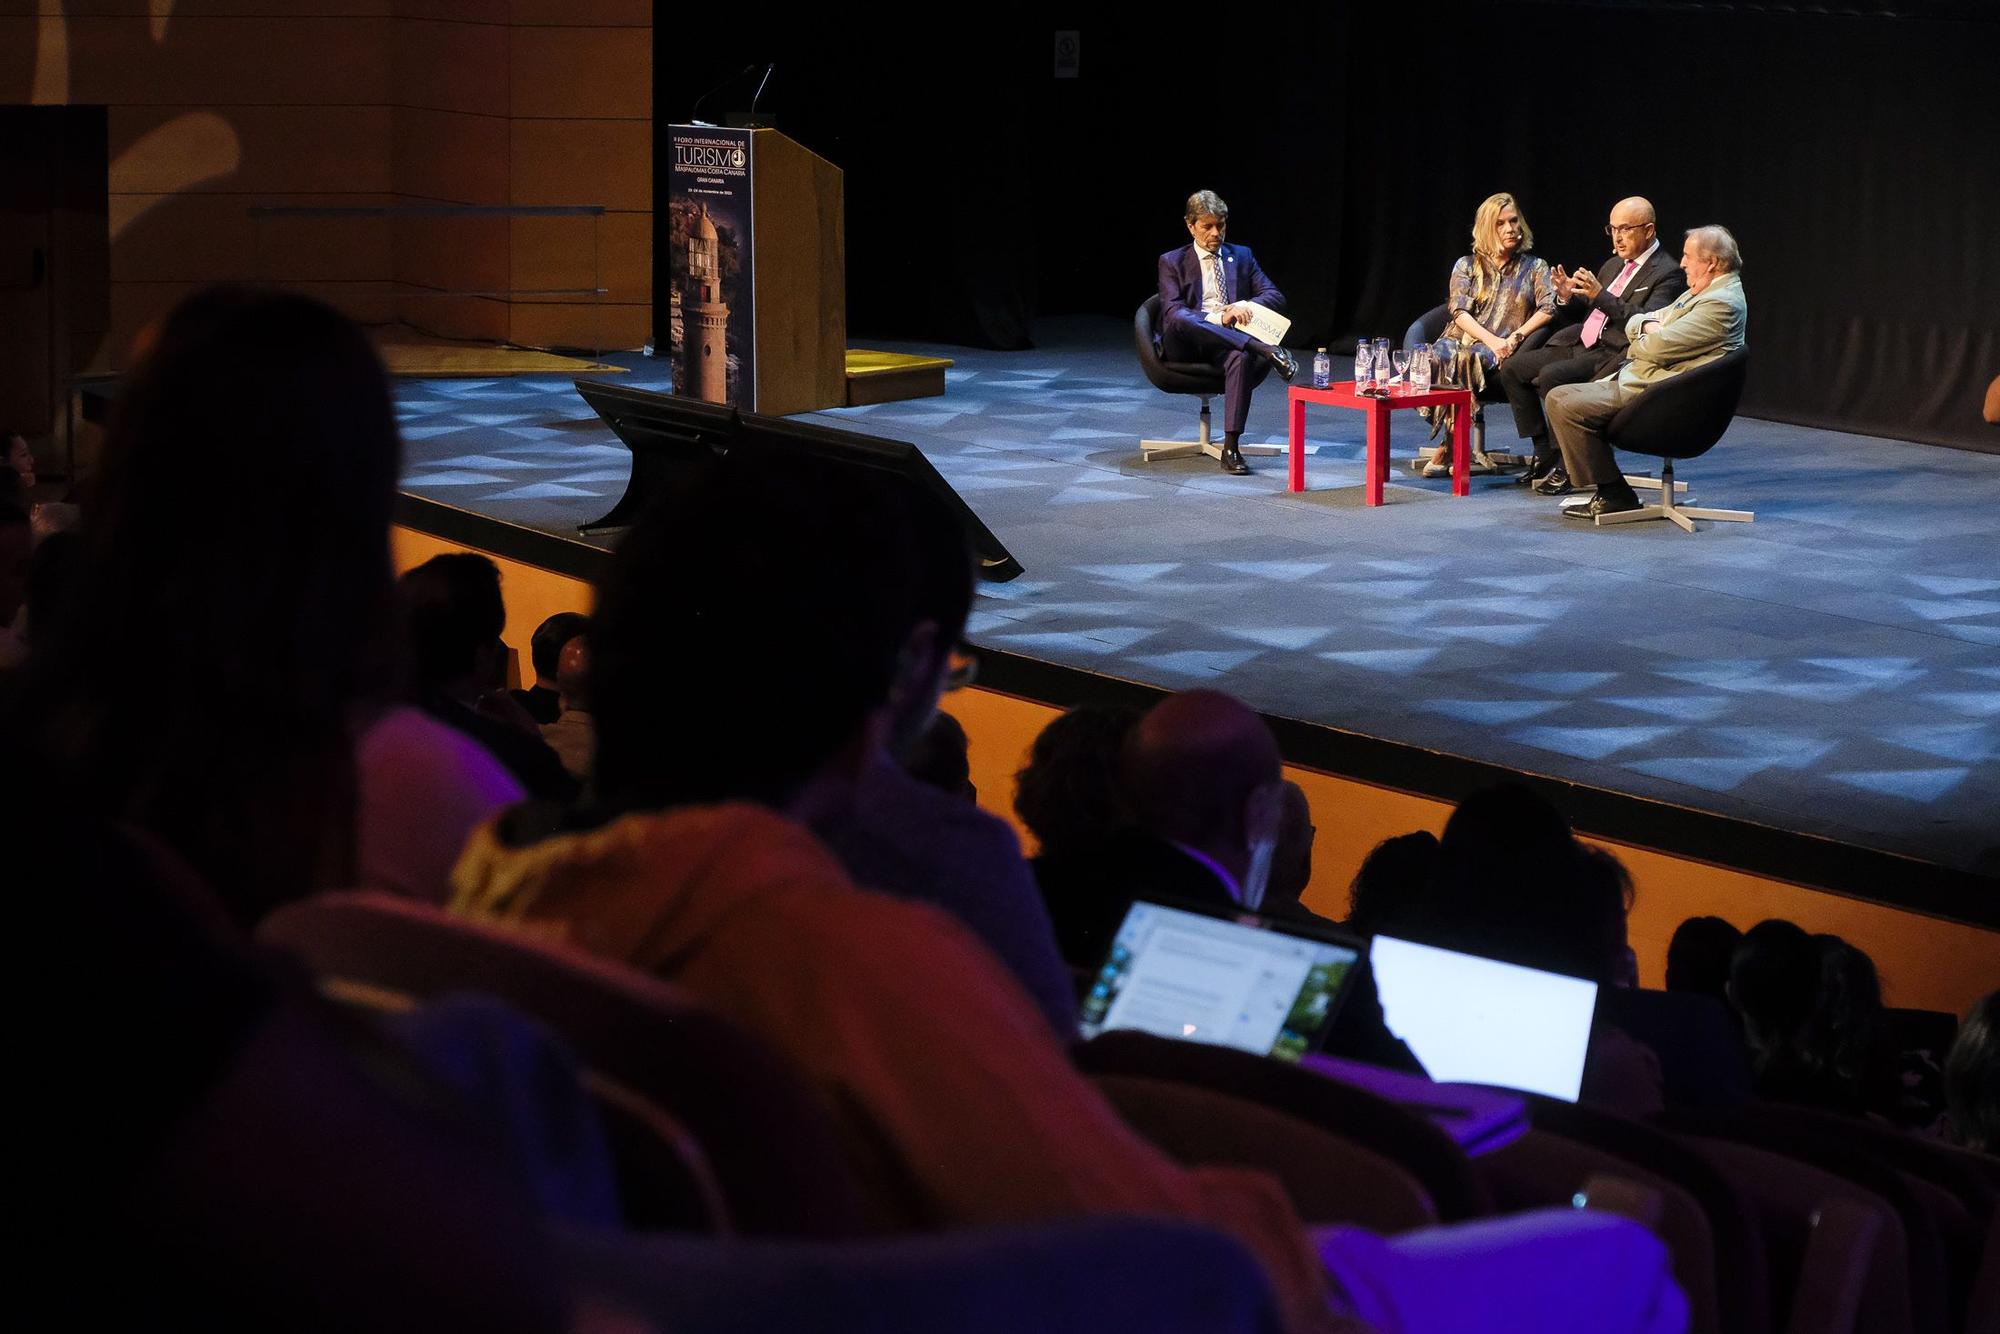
pixel 1233 464
pixel 1602 503
pixel 1538 468
pixel 1554 482
pixel 1284 363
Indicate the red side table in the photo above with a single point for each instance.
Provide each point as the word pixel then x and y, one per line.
pixel 1378 406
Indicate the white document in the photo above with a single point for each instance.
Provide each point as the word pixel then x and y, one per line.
pixel 1266 325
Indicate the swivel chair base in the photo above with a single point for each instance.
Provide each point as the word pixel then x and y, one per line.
pixel 1484 462
pixel 1683 515
pixel 1187 449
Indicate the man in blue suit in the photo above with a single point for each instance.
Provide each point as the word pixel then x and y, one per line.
pixel 1203 287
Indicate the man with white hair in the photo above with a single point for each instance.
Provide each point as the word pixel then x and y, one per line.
pixel 1702 324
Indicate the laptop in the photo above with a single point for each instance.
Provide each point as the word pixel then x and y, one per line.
pixel 1472 1020
pixel 1234 978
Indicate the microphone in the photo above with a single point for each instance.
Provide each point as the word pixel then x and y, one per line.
pixel 694 113
pixel 752 117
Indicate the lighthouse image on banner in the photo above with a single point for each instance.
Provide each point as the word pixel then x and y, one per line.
pixel 709 205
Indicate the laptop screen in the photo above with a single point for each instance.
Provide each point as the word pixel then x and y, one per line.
pixel 1239 981
pixel 1480 1021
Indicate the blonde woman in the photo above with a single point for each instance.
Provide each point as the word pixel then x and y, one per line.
pixel 1500 293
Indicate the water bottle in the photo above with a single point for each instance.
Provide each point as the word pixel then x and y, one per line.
pixel 1364 365
pixel 1322 369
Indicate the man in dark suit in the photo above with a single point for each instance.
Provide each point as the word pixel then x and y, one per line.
pixel 1204 791
pixel 1589 337
pixel 1203 288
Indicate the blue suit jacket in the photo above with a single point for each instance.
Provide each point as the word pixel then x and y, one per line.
pixel 1242 280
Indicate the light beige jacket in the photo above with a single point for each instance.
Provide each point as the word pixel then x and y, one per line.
pixel 1696 329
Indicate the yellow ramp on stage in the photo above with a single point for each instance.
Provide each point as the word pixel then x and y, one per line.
pixel 884 377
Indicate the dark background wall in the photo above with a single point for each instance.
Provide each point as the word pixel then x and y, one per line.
pixel 1852 150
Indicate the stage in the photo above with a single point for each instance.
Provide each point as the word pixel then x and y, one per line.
pixel 1831 670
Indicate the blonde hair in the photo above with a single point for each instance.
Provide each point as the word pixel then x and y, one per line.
pixel 1486 228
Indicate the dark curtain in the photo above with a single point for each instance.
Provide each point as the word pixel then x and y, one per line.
pixel 1852 154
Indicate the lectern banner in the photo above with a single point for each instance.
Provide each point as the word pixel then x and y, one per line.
pixel 708 201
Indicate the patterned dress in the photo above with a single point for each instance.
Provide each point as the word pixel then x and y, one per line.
pixel 1501 302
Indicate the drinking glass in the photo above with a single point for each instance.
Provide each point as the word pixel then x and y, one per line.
pixel 1401 360
pixel 1420 368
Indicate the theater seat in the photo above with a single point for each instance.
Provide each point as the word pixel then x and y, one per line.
pixel 777 1161
pixel 1329 1179
pixel 1403 1137
pixel 1095 1276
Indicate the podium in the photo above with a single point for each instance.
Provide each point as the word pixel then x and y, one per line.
pixel 758 250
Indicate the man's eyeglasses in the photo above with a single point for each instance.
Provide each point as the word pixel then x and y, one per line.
pixel 1620 228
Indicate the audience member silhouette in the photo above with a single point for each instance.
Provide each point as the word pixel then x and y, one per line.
pixel 1292 859
pixel 543 699
pixel 1203 776
pixel 16 561
pixel 1510 882
pixel 571 735
pixel 1392 877
pixel 1698 956
pixel 1070 794
pixel 262 744
pixel 1972 1079
pixel 1199 780
pixel 455 614
pixel 941 757
pixel 1846 1057
pixel 1774 978
pixel 902 835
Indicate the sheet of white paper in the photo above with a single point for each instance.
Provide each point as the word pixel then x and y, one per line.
pixel 1266 325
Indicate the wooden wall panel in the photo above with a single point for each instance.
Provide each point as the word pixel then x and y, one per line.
pixel 451 315
pixel 282 150
pixel 582 73
pixel 215 105
pixel 182 9
pixel 583 13
pixel 241 61
pixel 212 238
pixel 449 67
pixel 608 162
pixel 465 254
pixel 580 326
pixel 454 11
pixel 134 305
pixel 557 253
pixel 449 157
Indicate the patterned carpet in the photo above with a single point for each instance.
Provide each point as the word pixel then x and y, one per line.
pixel 1833 668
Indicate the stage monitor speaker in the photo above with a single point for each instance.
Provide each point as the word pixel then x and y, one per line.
pixel 666 433
pixel 849 449
pixel 663 430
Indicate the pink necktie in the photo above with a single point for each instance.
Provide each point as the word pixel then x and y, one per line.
pixel 1594 326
